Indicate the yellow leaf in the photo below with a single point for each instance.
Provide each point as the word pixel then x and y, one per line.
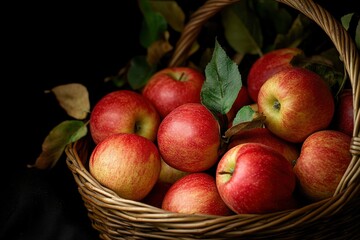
pixel 194 48
pixel 158 49
pixel 74 98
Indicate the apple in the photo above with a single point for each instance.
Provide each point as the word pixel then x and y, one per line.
pixel 253 178
pixel 344 113
pixel 172 87
pixel 323 160
pixel 262 135
pixel 254 107
pixel 296 102
pixel 123 111
pixel 241 100
pixel 126 163
pixel 157 194
pixel 195 193
pixel 266 66
pixel 189 138
pixel 168 174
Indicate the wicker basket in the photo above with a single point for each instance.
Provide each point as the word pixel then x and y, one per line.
pixel 335 217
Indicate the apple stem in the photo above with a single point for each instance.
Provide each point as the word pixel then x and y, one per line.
pixel 277 105
pixel 181 76
pixel 224 172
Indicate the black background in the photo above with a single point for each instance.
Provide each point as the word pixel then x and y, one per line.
pixel 44 45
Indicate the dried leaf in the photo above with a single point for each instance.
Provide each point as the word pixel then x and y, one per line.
pixel 158 49
pixel 171 11
pixel 55 143
pixel 194 48
pixel 120 79
pixel 246 118
pixel 296 34
pixel 74 98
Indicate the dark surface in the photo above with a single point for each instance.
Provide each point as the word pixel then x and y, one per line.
pixel 47 45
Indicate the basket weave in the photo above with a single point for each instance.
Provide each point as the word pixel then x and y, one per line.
pixel 335 217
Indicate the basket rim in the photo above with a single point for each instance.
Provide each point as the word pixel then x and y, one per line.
pixel 89 186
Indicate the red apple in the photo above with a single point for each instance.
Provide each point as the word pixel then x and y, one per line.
pixel 253 178
pixel 262 135
pixel 168 174
pixel 323 160
pixel 126 163
pixel 172 87
pixel 123 111
pixel 266 66
pixel 242 99
pixel 344 113
pixel 189 138
pixel 296 102
pixel 157 194
pixel 195 193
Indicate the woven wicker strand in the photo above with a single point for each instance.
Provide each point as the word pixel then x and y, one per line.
pixel 118 218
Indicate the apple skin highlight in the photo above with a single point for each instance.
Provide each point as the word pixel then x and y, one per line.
pixel 254 178
pixel 126 163
pixel 189 138
pixel 296 102
pixel 172 87
pixel 123 111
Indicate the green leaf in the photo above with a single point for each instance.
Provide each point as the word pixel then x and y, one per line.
pixel 246 118
pixel 266 10
pixel 257 122
pixel 245 114
pixel 171 11
pixel 54 144
pixel 153 25
pixel 334 79
pixel 223 82
pixel 346 19
pixel 139 72
pixel 242 29
pixel 118 80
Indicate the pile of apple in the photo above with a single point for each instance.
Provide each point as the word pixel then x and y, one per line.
pixel 163 147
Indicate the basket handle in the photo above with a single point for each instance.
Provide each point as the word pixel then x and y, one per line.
pixel 332 27
pixel 339 36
